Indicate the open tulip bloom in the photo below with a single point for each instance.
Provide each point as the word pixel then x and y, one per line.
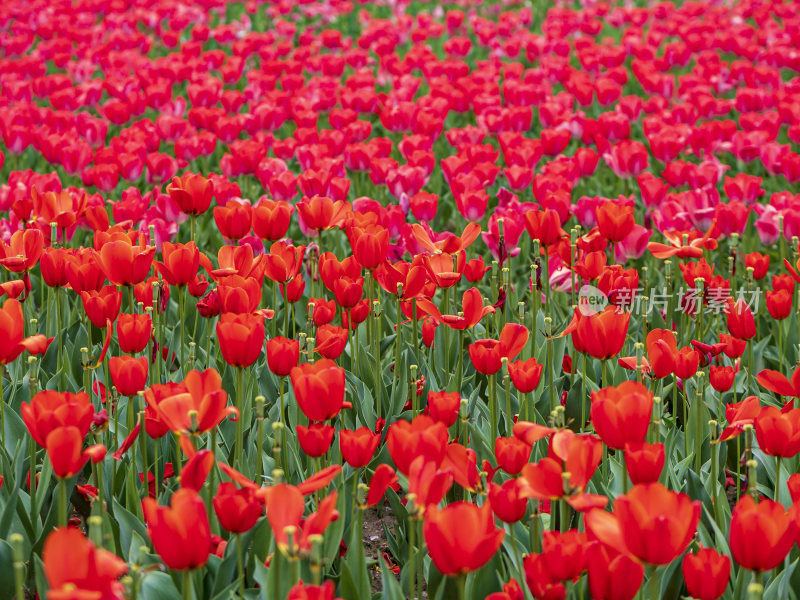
pixel 339 300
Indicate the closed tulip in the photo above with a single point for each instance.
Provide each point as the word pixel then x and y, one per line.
pixel 461 537
pixel 358 447
pixel 134 332
pixel 282 355
pixel 621 414
pixel 761 534
pixel 741 323
pixel 319 389
pixel 180 532
pixel 443 407
pixel 778 432
pixel 706 573
pixel 613 576
pixel 315 439
pixel 237 509
pixel 128 374
pixel 241 338
pixel 644 462
pixel 192 193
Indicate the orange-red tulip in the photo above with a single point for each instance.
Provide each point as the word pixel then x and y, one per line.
pixel 192 193
pixel 50 409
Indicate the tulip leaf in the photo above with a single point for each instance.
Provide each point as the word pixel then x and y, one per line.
pixel 487 579
pixel 127 524
pixel 391 587
pixel 6 571
pixel 158 586
pixel 779 587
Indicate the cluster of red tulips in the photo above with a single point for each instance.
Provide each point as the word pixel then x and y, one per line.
pixel 334 299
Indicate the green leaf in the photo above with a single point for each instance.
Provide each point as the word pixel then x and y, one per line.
pixel 390 585
pixel 6 571
pixel 158 586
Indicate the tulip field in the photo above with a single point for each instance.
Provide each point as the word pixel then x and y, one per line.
pixel 444 299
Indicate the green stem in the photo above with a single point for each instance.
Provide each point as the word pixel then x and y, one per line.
pixel 181 299
pixel 240 563
pixel 777 495
pixel 493 407
pixel 412 559
pixel 62 502
pixel 62 374
pixel 461 582
pixel 237 451
pixel 186 588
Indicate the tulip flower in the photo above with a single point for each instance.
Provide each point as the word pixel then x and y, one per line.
pixel 241 338
pixel 613 575
pixel 180 532
pixel 650 522
pixel 315 439
pixel 50 409
pixel 128 374
pixel 271 219
pixel 133 332
pixel 741 323
pixel 421 437
pixel 125 263
pixel 644 462
pixel 706 573
pixel 75 568
pixel 191 193
pixel 512 454
pixel 508 502
pixel 319 389
pixel 461 537
pixel 282 355
pixel 601 335
pixel 621 414
pixel 443 407
pixel 237 509
pixel 761 534
pixel 180 263
pixel 358 447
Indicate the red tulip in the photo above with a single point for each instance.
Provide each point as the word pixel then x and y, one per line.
pixel 128 374
pixel 644 462
pixel 241 338
pixel 180 533
pixel 461 537
pixel 706 573
pixel 282 355
pixel 621 414
pixel 192 193
pixel 319 389
pixel 237 509
pixel 75 568
pixel 741 323
pixel 761 534
pixel 358 447
pixel 315 439
pixel 133 332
